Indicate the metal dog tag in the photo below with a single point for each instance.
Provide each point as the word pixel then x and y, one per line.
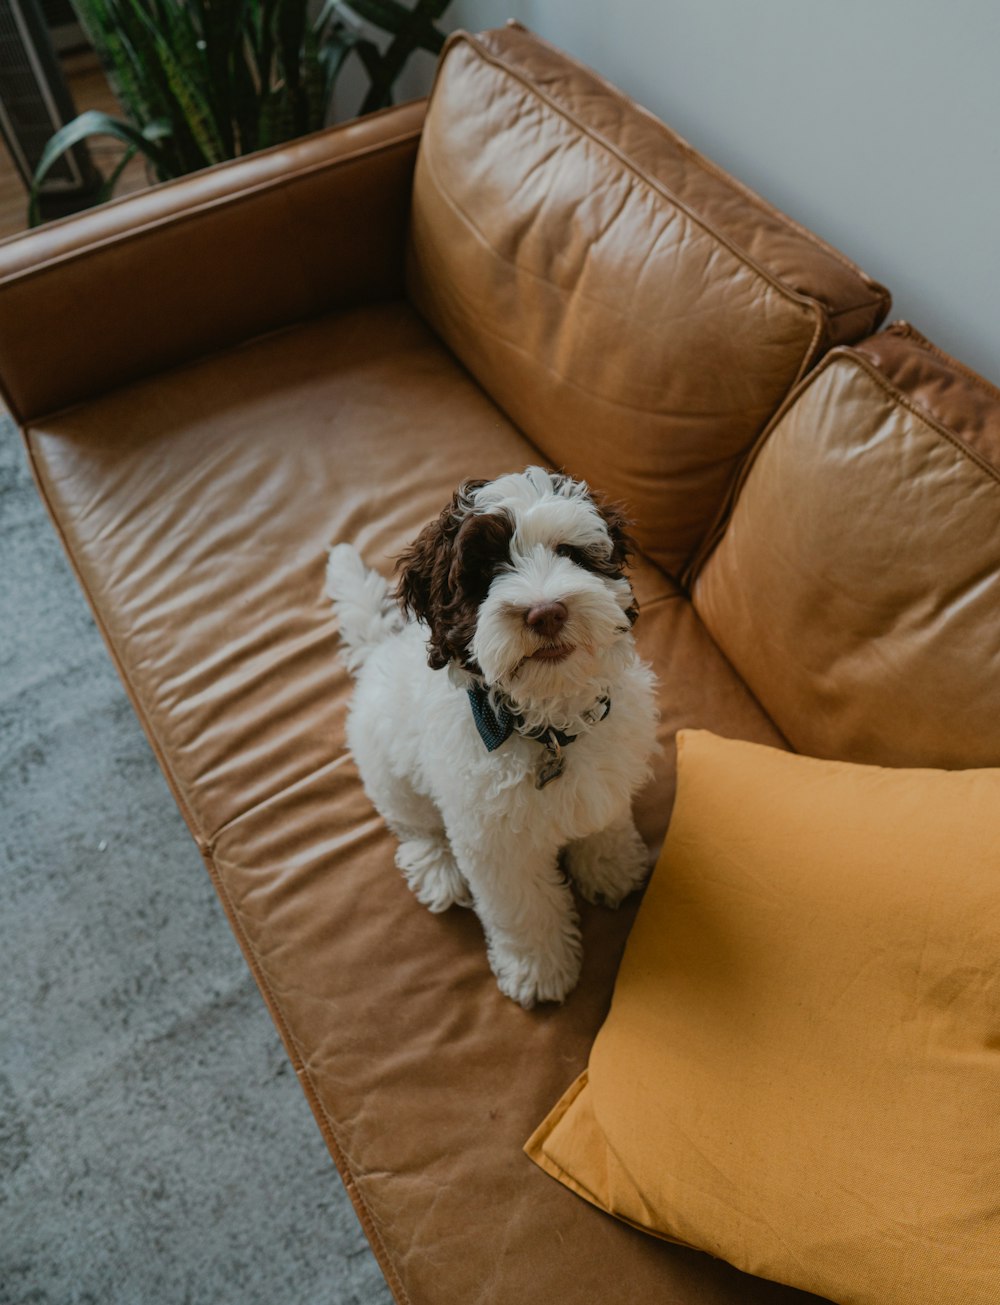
pixel 551 765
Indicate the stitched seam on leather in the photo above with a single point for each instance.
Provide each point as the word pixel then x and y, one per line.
pixel 919 411
pixel 883 297
pixel 278 795
pixel 906 331
pixel 807 302
pixel 861 305
pixel 305 1078
pixel 233 199
pixel 39 419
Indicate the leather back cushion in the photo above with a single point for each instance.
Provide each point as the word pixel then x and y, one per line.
pixel 637 313
pixel 856 588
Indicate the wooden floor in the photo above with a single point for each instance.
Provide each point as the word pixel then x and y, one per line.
pixel 89 89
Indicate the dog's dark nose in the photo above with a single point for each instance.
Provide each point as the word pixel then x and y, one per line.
pixel 546 619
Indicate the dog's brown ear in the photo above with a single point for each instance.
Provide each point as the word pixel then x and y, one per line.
pixel 623 546
pixel 424 586
pixel 482 543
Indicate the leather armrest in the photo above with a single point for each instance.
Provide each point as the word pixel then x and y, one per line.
pixel 200 264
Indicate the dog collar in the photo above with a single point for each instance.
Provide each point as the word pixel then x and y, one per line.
pixel 496 726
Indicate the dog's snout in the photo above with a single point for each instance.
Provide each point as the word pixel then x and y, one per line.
pixel 546 619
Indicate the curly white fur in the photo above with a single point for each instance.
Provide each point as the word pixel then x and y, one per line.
pixel 473 827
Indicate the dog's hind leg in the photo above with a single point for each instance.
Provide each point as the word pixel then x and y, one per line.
pixel 610 864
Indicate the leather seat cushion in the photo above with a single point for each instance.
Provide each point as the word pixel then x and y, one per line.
pixel 197 508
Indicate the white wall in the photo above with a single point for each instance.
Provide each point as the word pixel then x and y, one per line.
pixel 874 122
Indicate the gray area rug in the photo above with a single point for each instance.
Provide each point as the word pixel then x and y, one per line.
pixel 154 1143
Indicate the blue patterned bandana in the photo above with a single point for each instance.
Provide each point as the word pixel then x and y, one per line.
pixel 496 727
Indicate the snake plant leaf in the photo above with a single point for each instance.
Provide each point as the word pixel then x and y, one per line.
pixel 313 80
pixel 106 32
pixel 196 113
pixel 246 98
pixel 107 188
pixel 189 72
pixel 415 32
pixel 277 117
pixel 335 49
pixel 291 19
pixel 133 29
pixel 95 123
pixel 221 24
pixel 266 47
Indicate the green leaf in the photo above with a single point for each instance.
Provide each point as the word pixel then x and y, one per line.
pixel 108 185
pixel 291 19
pixel 203 80
pixel 197 65
pixel 334 52
pixel 196 112
pixel 95 123
pixel 222 24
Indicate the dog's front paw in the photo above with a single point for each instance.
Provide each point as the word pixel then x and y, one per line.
pixel 430 870
pixel 549 974
pixel 609 865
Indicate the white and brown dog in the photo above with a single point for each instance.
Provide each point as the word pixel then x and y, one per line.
pixel 535 738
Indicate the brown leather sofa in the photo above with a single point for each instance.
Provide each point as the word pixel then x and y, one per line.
pixel 219 377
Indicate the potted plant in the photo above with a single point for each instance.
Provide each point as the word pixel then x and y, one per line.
pixel 205 80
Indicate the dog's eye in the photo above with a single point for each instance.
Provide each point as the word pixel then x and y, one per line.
pixel 571 552
pixel 590 561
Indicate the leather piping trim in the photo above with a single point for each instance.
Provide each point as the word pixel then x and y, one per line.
pixel 809 304
pixel 883 297
pixel 907 331
pixel 918 410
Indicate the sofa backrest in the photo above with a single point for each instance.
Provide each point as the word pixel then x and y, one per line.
pixel 635 311
pixel 856 587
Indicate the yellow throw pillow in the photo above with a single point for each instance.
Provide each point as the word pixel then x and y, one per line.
pixel 800 1070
